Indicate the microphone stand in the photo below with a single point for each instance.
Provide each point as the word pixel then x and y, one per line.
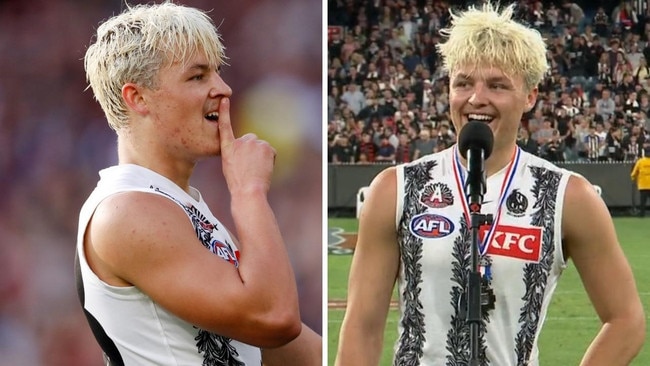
pixel 475 188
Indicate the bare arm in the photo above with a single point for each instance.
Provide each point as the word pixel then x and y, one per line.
pixel 306 350
pixel 590 240
pixel 146 240
pixel 372 276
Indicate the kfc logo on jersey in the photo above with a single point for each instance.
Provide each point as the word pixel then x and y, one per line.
pixel 437 195
pixel 225 251
pixel 516 242
pixel 430 226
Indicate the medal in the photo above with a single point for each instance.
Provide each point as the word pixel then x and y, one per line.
pixel 485 263
pixel 487 295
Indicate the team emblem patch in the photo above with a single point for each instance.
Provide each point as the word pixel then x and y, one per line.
pixel 437 195
pixel 431 226
pixel 516 203
pixel 224 251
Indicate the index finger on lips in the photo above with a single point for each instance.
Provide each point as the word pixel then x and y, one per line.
pixel 226 135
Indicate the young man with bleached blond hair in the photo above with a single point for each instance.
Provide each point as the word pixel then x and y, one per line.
pixel 160 279
pixel 414 227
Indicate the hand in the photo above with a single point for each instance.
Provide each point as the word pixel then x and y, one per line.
pixel 247 162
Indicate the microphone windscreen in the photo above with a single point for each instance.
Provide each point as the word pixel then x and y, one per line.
pixel 476 135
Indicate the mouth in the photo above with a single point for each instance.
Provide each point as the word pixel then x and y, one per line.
pixel 212 116
pixel 486 118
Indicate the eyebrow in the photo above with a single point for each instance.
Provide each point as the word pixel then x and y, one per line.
pixel 491 79
pixel 199 67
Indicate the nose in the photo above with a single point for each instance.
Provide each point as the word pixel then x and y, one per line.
pixel 219 87
pixel 478 95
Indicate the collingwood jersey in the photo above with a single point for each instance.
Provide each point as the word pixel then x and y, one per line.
pixel 523 259
pixel 131 328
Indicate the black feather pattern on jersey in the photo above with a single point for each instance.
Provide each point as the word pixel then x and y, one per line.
pixel 411 341
pixel 216 349
pixel 458 342
pixel 535 277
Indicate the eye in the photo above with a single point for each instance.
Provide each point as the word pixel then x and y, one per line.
pixel 498 86
pixel 197 77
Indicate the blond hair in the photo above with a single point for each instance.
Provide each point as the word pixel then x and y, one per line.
pixel 133 46
pixel 487 36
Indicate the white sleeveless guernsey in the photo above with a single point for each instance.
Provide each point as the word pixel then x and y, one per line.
pixel 132 329
pixel 434 239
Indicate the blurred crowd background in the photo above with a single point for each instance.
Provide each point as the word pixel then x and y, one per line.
pixel 387 96
pixel 54 139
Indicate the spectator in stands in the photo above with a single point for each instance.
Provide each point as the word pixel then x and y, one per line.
pixel 594 144
pixel 404 151
pixel 632 148
pixel 536 121
pixel 605 106
pixel 621 68
pixel 367 147
pixel 354 98
pixel 631 104
pixel 553 17
pixel 545 133
pixel 424 145
pixel 553 149
pixel 624 16
pixel 410 60
pixel 614 145
pixel 389 103
pixel 347 49
pixel 576 14
pixel 592 57
pixel 342 151
pixel 385 151
pixel 627 83
pixel 601 22
pixel 445 135
pixel 642 73
pixel 389 134
pixel 634 55
pixel 372 110
pixel 526 143
pixel 641 175
pixel 644 104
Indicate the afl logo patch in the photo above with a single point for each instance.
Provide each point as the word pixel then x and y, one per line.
pixel 516 203
pixel 430 226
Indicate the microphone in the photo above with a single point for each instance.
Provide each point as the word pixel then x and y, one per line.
pixel 475 142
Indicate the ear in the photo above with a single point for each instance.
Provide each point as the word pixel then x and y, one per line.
pixel 531 99
pixel 132 95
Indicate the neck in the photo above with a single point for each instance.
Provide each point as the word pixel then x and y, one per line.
pixel 145 154
pixel 498 160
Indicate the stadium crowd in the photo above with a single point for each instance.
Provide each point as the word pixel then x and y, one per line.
pixel 388 100
pixel 54 139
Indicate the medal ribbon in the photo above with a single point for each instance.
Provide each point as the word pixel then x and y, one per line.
pixel 459 175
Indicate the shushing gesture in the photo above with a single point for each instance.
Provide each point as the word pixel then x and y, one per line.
pixel 247 162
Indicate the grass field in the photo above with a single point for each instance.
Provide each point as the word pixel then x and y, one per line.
pixel 571 322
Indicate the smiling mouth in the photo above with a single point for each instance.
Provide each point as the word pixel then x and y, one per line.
pixel 214 116
pixel 479 117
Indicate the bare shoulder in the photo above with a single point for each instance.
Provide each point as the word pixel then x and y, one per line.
pixel 128 226
pixel 384 183
pixel 380 201
pixel 585 217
